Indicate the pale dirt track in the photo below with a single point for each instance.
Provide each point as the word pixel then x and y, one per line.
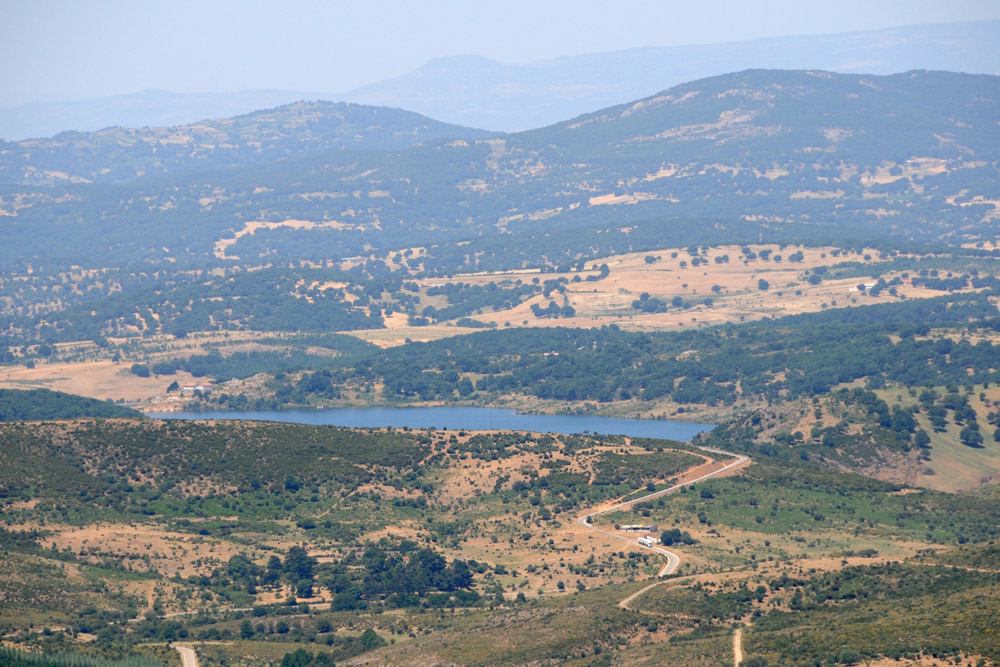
pixel 188 657
pixel 673 560
pixel 624 604
pixel 738 647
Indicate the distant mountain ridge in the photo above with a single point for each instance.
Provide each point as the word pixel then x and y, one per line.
pixel 786 155
pixel 120 154
pixel 147 108
pixel 483 93
pixel 475 91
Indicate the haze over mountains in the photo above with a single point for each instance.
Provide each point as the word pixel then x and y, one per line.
pixel 802 260
pixel 118 154
pixel 478 92
pixel 779 154
pixel 483 93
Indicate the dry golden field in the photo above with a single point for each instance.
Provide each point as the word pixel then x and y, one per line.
pixel 732 288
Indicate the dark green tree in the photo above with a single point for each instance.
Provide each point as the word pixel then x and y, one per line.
pixel 298 564
pixel 970 436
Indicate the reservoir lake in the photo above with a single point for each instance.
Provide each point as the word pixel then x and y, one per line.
pixel 459 418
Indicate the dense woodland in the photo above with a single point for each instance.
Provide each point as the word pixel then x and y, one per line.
pixel 39 404
pixel 774 361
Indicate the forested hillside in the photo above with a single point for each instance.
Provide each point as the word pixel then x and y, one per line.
pixel 38 404
pixel 119 154
pixel 800 356
pixel 758 155
pixel 809 262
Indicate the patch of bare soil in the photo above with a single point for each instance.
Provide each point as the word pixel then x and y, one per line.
pixel 103 380
pixel 252 227
pixel 924 661
pixel 144 548
pixel 732 288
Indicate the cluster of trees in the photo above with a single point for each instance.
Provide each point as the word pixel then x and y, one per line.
pixel 466 299
pixel 399 574
pixel 648 304
pixel 797 356
pixel 963 414
pixel 297 569
pixel 403 576
pixel 409 380
pixel 673 536
pixel 949 284
pixel 346 647
pixel 12 657
pixel 40 404
pixel 237 364
pixel 553 310
pixel 303 658
pixel 899 420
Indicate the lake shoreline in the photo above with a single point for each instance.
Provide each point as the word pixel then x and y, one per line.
pixel 693 415
pixel 458 418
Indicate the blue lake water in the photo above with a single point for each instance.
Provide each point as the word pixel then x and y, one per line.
pixel 458 418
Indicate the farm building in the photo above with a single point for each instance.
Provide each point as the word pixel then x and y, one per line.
pixel 638 528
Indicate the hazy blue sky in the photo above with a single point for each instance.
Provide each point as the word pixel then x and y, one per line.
pixel 75 49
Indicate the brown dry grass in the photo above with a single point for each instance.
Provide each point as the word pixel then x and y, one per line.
pixel 97 379
pixel 252 226
pixel 922 661
pixel 551 546
pixel 609 301
pixel 159 550
pixel 104 379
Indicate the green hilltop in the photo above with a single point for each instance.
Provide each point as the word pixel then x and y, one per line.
pixel 42 404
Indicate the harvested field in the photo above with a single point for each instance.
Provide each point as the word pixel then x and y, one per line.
pixel 732 287
pixel 104 380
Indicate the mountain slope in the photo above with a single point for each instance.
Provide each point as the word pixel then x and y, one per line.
pixel 484 93
pixel 787 155
pixel 148 108
pixel 122 154
pixel 478 92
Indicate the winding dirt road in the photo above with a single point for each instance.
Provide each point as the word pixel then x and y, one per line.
pixel 673 560
pixel 188 657
pixel 738 647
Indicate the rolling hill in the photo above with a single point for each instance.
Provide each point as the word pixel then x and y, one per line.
pixel 783 156
pixel 147 108
pixel 476 91
pixel 119 154
pixel 132 261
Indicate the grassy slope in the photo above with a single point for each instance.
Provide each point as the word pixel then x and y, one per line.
pixel 469 514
